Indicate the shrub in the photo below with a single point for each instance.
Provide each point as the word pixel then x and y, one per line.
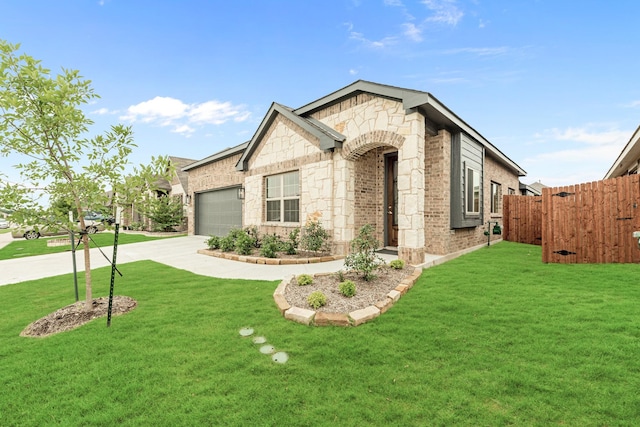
pixel 213 242
pixel 304 280
pixel 340 275
pixel 254 234
pixel 397 264
pixel 347 288
pixel 363 257
pixel 227 243
pixel 314 237
pixel 137 226
pixel 244 243
pixel 291 245
pixel 270 246
pixel 316 299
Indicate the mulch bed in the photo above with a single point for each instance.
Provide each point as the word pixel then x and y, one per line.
pixel 75 315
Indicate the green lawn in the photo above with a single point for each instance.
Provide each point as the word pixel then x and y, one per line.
pixel 492 338
pixel 21 248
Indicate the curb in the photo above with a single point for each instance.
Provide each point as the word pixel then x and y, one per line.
pixel 354 318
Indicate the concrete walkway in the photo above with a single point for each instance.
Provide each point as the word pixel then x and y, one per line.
pixel 178 252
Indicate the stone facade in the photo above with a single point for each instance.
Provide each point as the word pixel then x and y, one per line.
pixel 344 187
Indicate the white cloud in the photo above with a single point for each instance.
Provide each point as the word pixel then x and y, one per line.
pixel 353 72
pixel 104 111
pixel 167 111
pixel 633 104
pixel 589 135
pixel 444 11
pixel 396 3
pixel 479 51
pixel 185 130
pixel 412 32
pixel 374 44
pixel 578 154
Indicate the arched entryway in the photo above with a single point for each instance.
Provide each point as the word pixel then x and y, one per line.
pixel 375 157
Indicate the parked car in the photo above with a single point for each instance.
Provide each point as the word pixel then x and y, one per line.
pixel 3 223
pixel 92 218
pixel 32 232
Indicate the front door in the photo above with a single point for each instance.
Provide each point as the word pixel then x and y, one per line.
pixel 391 199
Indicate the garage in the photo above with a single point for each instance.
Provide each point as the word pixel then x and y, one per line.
pixel 218 211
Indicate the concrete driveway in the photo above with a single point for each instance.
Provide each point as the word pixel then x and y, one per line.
pixel 178 252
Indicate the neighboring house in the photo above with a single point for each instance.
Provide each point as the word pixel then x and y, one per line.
pixel 366 154
pixel 180 184
pixel 177 187
pixel 628 161
pixel 534 189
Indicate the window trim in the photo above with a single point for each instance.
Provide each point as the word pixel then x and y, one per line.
pixel 472 198
pixel 496 204
pixel 281 197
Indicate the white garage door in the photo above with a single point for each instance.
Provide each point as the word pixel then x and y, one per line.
pixel 218 211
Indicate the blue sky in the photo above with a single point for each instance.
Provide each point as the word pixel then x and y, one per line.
pixel 551 83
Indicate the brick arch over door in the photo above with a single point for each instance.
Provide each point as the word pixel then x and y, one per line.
pixel 356 148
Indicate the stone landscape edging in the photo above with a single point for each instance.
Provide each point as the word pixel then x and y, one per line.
pixel 353 318
pixel 268 261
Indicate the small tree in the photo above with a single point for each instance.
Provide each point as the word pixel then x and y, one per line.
pixel 165 212
pixel 363 256
pixel 313 237
pixel 41 121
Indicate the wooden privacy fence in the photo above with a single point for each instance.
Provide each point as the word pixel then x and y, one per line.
pixel 584 223
pixel 522 220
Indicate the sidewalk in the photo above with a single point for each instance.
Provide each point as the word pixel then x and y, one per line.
pixel 178 252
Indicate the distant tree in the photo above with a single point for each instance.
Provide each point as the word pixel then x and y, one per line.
pixel 165 212
pixel 61 207
pixel 41 122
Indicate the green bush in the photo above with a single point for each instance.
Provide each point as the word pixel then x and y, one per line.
pixel 347 288
pixel 244 243
pixel 213 242
pixel 137 226
pixel 363 256
pixel 252 231
pixel 316 299
pixel 314 237
pixel 270 246
pixel 304 279
pixel 340 275
pixel 227 244
pixel 398 264
pixel 291 245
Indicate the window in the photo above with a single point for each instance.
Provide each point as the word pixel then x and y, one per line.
pixel 473 191
pixel 283 197
pixel 511 191
pixel 496 198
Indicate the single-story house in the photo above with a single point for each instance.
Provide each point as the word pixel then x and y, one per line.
pixel 628 162
pixel 534 189
pixel 368 153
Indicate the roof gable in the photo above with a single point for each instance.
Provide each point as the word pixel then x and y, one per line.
pixel 327 137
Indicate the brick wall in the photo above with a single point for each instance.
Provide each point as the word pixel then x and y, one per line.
pixel 369 192
pixel 439 237
pixel 437 192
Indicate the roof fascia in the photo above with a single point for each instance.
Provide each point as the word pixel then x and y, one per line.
pixel 223 154
pixel 629 154
pixel 412 100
